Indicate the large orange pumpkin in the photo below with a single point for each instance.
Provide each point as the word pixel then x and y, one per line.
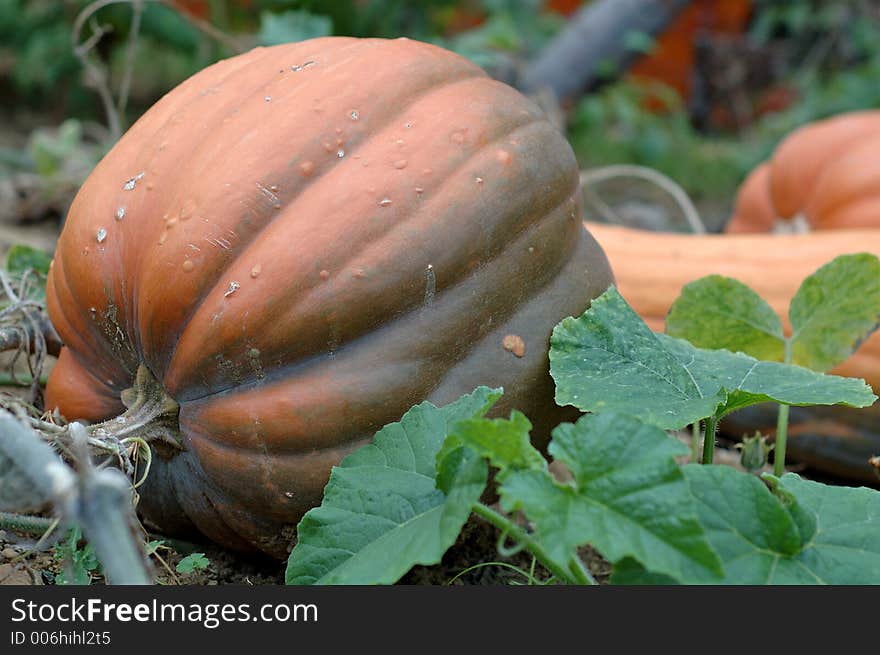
pixel 299 243
pixel 826 171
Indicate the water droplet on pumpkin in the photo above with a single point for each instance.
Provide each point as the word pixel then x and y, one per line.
pixel 531 249
pixel 329 147
pixel 385 202
pixel 188 265
pixel 306 168
pixel 100 235
pixel 120 213
pixel 400 164
pixel 289 494
pixel 132 181
pixel 171 222
pixel 354 114
pixel 360 274
pixel 324 274
pixel 233 287
pixel 255 271
pixel 273 188
pixel 268 98
pixel 340 153
pixel 419 190
pixel 479 180
pixel 163 237
pixel 400 143
pixel 408 124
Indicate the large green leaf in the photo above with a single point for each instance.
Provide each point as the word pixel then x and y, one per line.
pixel 835 309
pixel 719 312
pixel 608 359
pixel 628 499
pixel 807 533
pixel 382 511
pixel 505 443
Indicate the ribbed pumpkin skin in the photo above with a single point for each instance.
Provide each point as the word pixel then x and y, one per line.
pixel 825 171
pixel 325 234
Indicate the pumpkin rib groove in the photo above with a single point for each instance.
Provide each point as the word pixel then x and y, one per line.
pixel 535 210
pixel 399 322
pixel 110 367
pixel 143 258
pixel 241 246
pixel 289 395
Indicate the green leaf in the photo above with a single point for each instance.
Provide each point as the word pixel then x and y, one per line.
pixel 192 562
pixel 608 359
pixel 505 443
pixel 717 312
pixel 808 533
pixel 383 510
pixel 21 258
pixel 291 26
pixel 749 381
pixel 835 309
pixel 629 498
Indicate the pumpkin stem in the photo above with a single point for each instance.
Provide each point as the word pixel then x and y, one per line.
pixel 150 413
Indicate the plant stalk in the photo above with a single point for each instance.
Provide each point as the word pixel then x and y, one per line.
pixel 782 425
pixel 575 573
pixel 709 440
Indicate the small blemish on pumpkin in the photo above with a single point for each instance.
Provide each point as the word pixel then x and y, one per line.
pixel 513 343
pixel 385 202
pixel 360 274
pixel 408 124
pixel 120 213
pixel 400 143
pixel 188 265
pixel 503 157
pixel 329 147
pixel 457 137
pixel 400 164
pixel 163 145
pixel 419 190
pixel 324 274
pixel 531 249
pixel 255 271
pixel 163 237
pixel 150 186
pixel 306 168
pixel 427 171
pixel 85 251
pixel 273 188
pixel 233 287
pixel 100 235
pixel 171 222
